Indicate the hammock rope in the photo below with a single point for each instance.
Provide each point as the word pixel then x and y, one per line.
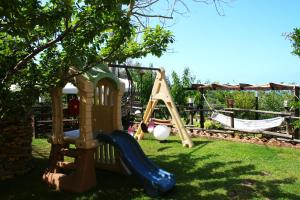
pixel 207 102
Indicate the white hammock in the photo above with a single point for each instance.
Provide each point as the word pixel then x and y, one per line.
pixel 248 125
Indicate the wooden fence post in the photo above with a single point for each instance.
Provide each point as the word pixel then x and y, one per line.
pixel 230 104
pixel 256 105
pixel 288 126
pixel 297 109
pixel 191 117
pixel 232 120
pixel 201 106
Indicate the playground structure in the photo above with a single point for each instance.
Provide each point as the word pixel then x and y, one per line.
pixel 96 146
pixel 160 91
pixel 249 126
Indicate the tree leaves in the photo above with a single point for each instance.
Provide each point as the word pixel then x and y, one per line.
pixel 295 38
pixel 41 40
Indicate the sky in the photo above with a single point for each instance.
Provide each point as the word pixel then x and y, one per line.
pixel 244 46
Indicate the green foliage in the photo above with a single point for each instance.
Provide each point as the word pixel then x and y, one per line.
pixel 295 38
pixel 179 85
pixel 245 100
pixel 146 86
pixel 154 41
pixel 177 90
pixel 296 105
pixel 209 124
pixel 17 105
pixel 65 33
pixel 296 124
pixel 144 80
pixel 217 98
pixel 273 100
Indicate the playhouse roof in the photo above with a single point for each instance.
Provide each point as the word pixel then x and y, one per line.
pixel 98 72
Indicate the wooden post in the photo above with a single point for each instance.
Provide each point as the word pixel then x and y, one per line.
pixel 297 109
pixel 256 105
pixel 190 110
pixel 288 126
pixel 57 116
pixel 201 106
pixel 230 103
pixel 191 117
pixel 232 120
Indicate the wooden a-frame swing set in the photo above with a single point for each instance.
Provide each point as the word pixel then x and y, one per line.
pixel 161 91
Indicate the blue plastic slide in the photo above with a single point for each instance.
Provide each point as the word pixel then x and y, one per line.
pixel 155 180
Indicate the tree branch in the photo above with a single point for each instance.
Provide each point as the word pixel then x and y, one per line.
pixel 89 66
pixel 145 5
pixel 27 58
pixel 158 16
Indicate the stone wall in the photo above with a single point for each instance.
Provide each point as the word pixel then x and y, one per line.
pixel 15 149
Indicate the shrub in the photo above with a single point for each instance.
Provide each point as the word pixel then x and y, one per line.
pixel 209 124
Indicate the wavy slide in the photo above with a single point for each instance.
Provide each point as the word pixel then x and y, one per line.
pixel 154 180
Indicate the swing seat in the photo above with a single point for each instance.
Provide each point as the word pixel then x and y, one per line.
pixel 167 122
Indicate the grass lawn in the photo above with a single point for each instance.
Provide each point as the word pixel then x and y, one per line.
pixel 213 169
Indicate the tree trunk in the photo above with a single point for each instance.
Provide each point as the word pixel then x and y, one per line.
pixel 15 148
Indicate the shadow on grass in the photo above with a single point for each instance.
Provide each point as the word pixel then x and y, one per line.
pixel 198 176
pixel 163 148
pixel 30 186
pixel 41 153
pixel 221 180
pixel 198 145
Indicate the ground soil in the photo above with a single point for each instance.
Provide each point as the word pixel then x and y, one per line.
pixel 239 137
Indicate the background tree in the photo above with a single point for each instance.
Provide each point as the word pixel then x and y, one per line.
pixel 176 89
pixel 143 82
pixel 179 92
pixel 216 98
pixel 245 100
pixel 295 39
pixel 274 100
pixel 179 85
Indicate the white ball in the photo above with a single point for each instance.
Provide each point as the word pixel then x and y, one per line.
pixel 137 112
pixel 161 132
